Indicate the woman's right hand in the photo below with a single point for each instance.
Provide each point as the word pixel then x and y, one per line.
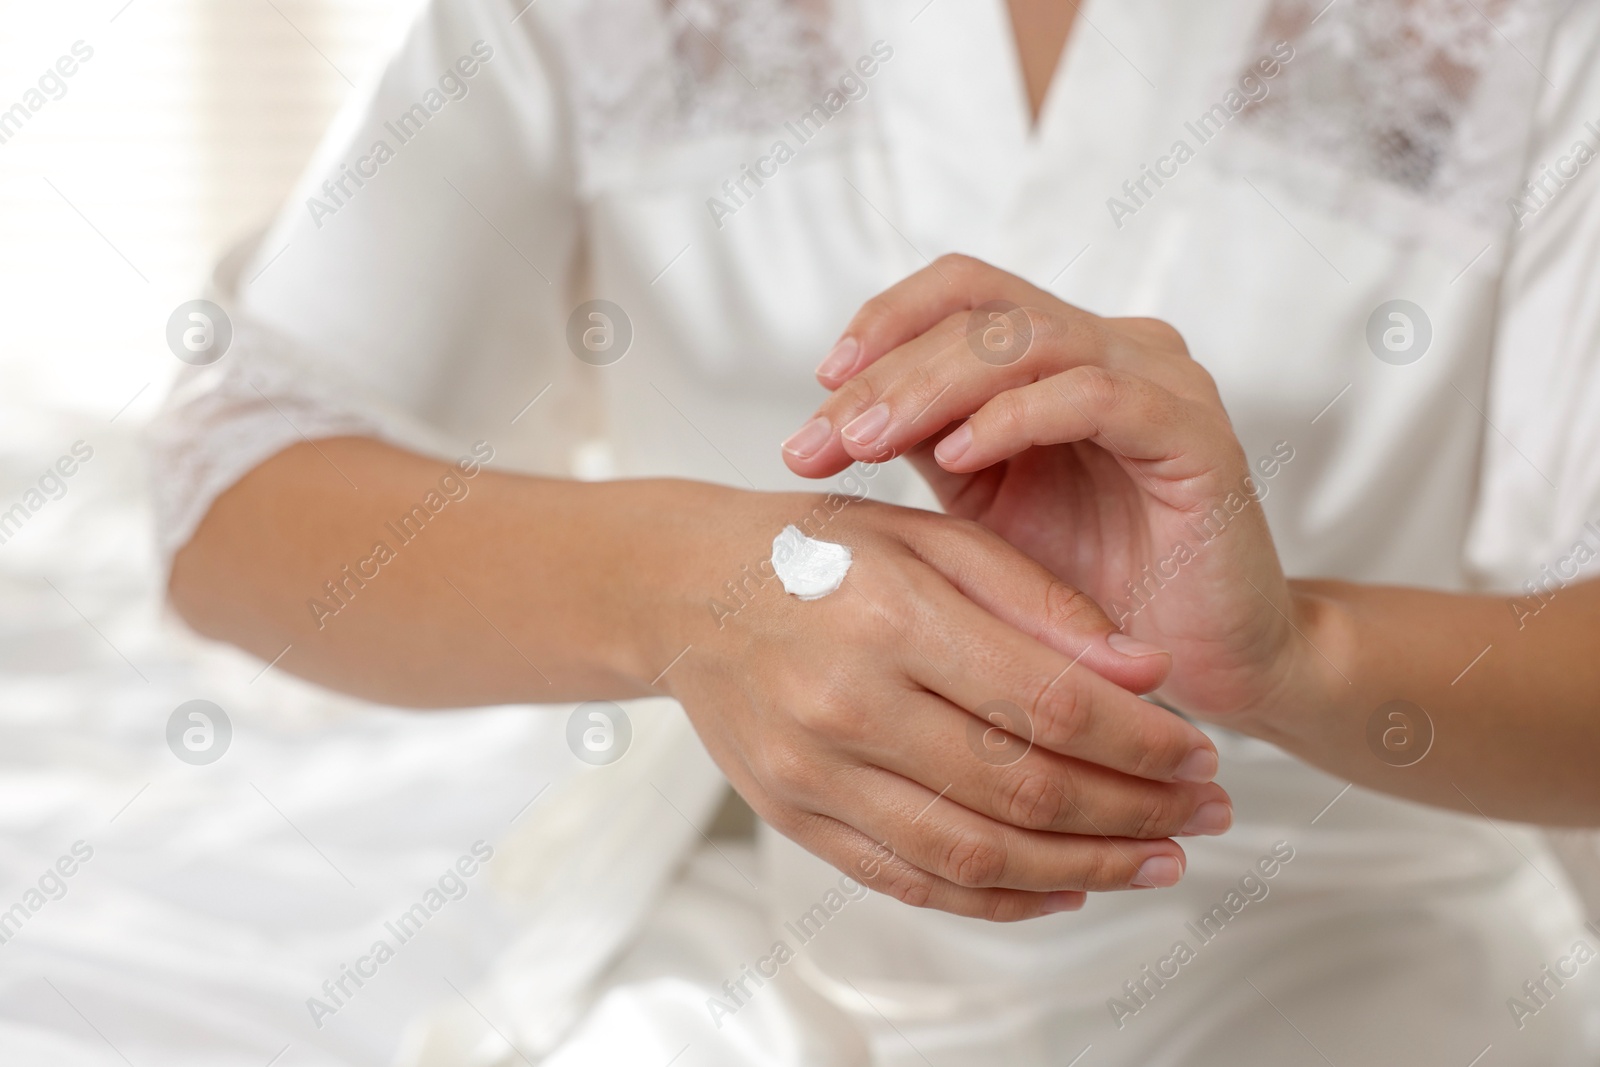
pixel 951 726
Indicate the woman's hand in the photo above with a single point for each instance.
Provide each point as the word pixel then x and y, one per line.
pixel 950 726
pixel 1097 446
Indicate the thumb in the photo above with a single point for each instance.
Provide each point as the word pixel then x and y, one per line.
pixel 1021 593
pixel 963 495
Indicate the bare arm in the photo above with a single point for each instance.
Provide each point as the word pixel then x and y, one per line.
pixel 1102 448
pixel 1513 734
pixel 841 720
pixel 490 601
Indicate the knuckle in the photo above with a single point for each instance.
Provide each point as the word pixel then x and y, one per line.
pixel 970 860
pixel 1205 385
pixel 1068 609
pixel 1031 799
pixel 998 908
pixel 1158 751
pixel 908 886
pixel 1050 328
pixel 1097 388
pixel 1059 713
pixel 1161 334
pixel 1107 869
pixel 958 264
pixel 833 711
pixel 855 395
pixel 1006 415
pixel 798 825
pixel 921 386
pixel 786 772
pixel 1154 817
pixel 877 309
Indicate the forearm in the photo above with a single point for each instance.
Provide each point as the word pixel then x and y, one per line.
pixel 521 590
pixel 841 720
pixel 1513 700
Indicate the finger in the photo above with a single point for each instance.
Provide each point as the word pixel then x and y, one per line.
pixel 970 850
pixel 1129 416
pixel 1021 593
pixel 962 495
pixel 872 861
pixel 984 768
pixel 952 283
pixel 948 487
pixel 922 387
pixel 875 864
pixel 976 661
pixel 943 374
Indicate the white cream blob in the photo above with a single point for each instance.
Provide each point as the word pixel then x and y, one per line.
pixel 809 569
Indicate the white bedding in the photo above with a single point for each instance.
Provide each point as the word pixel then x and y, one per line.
pixel 217 899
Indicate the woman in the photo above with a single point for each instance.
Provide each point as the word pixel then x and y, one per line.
pixel 612 238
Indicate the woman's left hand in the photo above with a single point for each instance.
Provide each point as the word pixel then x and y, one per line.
pixel 1097 446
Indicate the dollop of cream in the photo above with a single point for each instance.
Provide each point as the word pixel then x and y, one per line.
pixel 809 569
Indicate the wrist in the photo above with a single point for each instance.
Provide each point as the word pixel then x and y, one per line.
pixel 695 560
pixel 1316 671
pixel 663 566
pixel 615 567
pixel 717 574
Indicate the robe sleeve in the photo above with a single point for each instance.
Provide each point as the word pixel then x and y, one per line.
pixel 415 286
pixel 1539 489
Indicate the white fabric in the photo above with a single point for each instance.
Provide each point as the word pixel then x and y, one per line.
pixel 433 306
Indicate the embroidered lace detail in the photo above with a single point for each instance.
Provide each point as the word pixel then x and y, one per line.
pixel 223 420
pixel 1431 96
pixel 655 71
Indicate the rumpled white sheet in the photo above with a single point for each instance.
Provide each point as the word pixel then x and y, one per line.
pixel 219 898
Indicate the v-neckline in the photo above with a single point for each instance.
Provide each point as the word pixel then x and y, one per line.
pixel 1035 125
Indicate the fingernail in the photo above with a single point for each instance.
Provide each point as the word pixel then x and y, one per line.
pixel 865 428
pixel 1158 872
pixel 1131 646
pixel 841 360
pixel 952 448
pixel 1063 901
pixel 809 438
pixel 1209 819
pixel 1198 766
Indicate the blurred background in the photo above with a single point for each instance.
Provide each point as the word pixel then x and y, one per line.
pixel 216 897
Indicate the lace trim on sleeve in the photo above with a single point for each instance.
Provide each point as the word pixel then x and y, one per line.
pixel 222 421
pixel 1426 97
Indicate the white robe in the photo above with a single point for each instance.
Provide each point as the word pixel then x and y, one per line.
pixel 603 151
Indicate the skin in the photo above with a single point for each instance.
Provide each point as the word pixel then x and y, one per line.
pixel 846 722
pixel 1101 444
pixel 1041 29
